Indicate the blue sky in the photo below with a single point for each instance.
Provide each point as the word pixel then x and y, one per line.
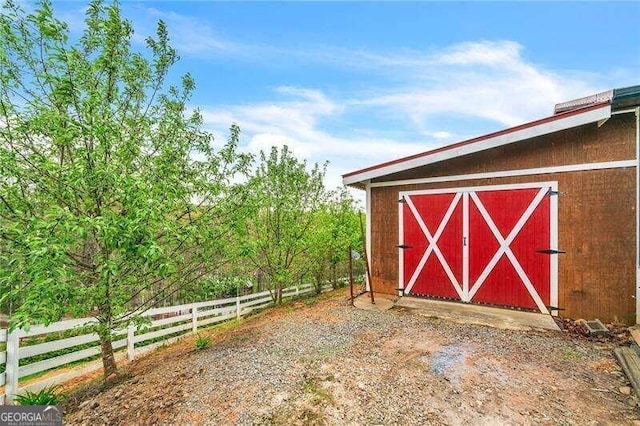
pixel 361 83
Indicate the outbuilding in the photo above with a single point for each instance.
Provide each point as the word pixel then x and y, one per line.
pixel 541 217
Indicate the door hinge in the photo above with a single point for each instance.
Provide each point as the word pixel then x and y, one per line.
pixel 554 308
pixel 550 251
pixel 403 246
pixel 402 200
pixel 552 192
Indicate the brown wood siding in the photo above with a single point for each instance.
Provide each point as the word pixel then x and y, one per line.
pixel 596 223
pixel 613 141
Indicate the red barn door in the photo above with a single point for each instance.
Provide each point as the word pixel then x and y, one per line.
pixel 433 234
pixel 488 245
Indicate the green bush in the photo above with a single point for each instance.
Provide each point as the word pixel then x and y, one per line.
pixel 46 396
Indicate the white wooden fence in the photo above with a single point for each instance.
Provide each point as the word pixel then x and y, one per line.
pixel 166 325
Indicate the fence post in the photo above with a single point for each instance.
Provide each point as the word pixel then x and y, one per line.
pixel 194 318
pixel 11 367
pixel 131 350
pixel 237 307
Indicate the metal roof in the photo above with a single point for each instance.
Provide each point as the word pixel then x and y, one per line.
pixel 619 98
pixel 626 97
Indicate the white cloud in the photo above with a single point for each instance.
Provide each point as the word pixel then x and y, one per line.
pixel 488 80
pixel 492 53
pixel 190 35
pixel 296 122
pixel 442 135
pixel 475 83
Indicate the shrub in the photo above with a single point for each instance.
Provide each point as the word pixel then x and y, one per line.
pixel 45 396
pixel 202 343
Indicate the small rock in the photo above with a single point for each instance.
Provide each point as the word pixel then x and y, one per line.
pixel 361 386
pixel 625 390
pixel 84 403
pixel 279 398
pixel 94 404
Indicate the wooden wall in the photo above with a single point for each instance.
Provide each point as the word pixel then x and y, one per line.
pixel 612 141
pixel 596 223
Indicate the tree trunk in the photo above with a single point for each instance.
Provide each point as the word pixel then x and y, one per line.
pixel 334 280
pixel 262 286
pixel 105 324
pixel 108 360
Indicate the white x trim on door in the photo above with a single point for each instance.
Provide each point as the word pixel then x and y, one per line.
pixel 433 244
pixel 466 292
pixel 506 249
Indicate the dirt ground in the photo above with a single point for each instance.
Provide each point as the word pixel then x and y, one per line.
pixel 324 362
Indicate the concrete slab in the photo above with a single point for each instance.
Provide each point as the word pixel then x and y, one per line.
pixel 484 315
pixel 384 302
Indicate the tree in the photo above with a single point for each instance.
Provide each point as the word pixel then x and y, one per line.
pixel 335 229
pixel 105 176
pixel 283 197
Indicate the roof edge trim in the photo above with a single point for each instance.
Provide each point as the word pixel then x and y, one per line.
pixel 530 130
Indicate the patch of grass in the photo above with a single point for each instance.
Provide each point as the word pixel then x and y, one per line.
pixel 318 394
pixel 327 351
pixel 312 300
pixel 202 342
pixel 256 310
pixel 227 325
pixel 45 396
pixel 572 355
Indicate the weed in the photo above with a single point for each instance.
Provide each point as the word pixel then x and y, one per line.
pixel 319 394
pixel 46 396
pixel 202 342
pixel 572 355
pixel 310 301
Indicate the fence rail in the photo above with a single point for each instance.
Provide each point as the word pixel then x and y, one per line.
pixel 22 357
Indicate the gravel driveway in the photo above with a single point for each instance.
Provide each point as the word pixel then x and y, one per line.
pixel 329 363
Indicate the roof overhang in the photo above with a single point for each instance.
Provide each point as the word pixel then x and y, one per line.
pixel 545 126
